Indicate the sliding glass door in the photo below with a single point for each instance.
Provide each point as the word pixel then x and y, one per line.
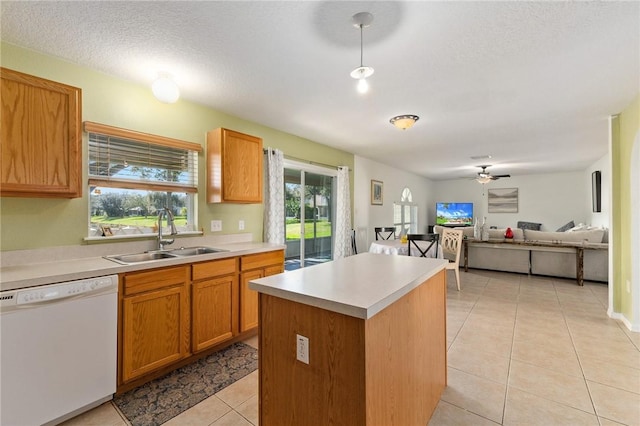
pixel 309 209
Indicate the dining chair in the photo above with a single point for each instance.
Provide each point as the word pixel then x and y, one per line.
pixel 451 247
pixel 412 240
pixel 385 233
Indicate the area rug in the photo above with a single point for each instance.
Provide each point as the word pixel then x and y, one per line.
pixel 164 398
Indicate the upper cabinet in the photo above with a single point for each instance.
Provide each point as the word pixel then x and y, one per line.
pixel 41 137
pixel 234 167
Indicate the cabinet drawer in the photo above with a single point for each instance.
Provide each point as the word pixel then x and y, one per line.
pixel 214 268
pixel 261 260
pixel 139 282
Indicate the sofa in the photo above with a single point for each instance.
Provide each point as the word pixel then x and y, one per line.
pixel 555 260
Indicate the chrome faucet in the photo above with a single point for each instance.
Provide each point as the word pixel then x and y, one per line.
pixel 161 242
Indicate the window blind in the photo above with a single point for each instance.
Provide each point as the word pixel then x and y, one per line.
pixel 129 163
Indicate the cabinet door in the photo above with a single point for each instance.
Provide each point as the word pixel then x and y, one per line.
pixel 234 167
pixel 249 300
pixel 212 311
pixel 41 137
pixel 155 330
pixel 273 270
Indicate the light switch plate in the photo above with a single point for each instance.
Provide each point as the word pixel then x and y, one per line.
pixel 216 225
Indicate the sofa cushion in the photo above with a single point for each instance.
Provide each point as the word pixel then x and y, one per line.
pixel 592 236
pixel 579 227
pixel 567 226
pixel 529 225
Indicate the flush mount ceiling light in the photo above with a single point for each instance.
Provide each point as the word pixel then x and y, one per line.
pixel 165 89
pixel 404 122
pixel 362 20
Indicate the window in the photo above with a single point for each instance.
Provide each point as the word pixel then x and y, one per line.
pixel 133 175
pixel 405 214
pixel 309 194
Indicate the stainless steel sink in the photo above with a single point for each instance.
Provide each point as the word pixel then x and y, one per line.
pixel 150 256
pixel 128 259
pixel 193 251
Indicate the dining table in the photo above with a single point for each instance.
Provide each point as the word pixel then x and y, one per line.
pixel 397 247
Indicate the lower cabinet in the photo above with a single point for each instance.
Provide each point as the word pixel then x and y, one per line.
pixel 252 267
pixel 155 320
pixel 214 301
pixel 170 314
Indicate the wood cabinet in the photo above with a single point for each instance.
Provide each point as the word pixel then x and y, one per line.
pixel 41 137
pixel 154 320
pixel 252 267
pixel 169 316
pixel 234 167
pixel 387 369
pixel 214 303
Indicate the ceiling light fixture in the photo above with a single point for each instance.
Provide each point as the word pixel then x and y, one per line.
pixel 362 20
pixel 404 122
pixel 165 89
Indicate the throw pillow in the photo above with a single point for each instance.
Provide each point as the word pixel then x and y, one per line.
pixel 566 227
pixel 529 225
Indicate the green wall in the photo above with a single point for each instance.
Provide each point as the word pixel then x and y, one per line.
pixel 27 223
pixel 625 129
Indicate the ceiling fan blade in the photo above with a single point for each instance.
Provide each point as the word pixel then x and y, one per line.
pixel 500 176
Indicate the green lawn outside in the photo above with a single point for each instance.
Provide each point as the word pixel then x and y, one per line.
pixel 323 229
pixel 142 221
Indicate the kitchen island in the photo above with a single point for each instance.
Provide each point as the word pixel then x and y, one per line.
pixel 375 352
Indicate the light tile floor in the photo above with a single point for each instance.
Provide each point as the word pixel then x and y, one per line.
pixel 522 350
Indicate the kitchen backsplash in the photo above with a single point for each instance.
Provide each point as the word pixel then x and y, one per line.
pixel 53 254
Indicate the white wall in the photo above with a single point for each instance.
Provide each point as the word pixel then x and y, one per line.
pixel 602 218
pixel 367 216
pixel 552 199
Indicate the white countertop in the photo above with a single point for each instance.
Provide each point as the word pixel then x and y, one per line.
pixel 359 286
pixel 41 273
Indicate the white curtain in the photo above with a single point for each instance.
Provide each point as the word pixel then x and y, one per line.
pixel 342 241
pixel 274 197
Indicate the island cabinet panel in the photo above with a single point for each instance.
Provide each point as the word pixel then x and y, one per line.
pixel 255 266
pixel 41 137
pixel 154 320
pixel 214 302
pixel 387 370
pixel 406 357
pixel 234 167
pixel 331 388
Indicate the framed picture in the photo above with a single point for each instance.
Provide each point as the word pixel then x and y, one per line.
pixel 106 231
pixel 503 200
pixel 376 192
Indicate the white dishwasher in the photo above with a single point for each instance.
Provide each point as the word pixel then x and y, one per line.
pixel 58 347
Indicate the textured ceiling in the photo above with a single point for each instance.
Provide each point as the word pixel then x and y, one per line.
pixel 530 83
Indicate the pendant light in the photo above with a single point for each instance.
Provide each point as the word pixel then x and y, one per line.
pixel 362 20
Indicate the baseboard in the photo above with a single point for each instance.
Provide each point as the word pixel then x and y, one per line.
pixel 618 316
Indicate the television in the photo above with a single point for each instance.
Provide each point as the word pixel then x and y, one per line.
pixel 454 214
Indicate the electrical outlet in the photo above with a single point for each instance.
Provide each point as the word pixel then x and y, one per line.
pixel 241 225
pixel 216 225
pixel 302 349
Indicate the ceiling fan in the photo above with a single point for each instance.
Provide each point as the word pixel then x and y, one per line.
pixel 485 177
